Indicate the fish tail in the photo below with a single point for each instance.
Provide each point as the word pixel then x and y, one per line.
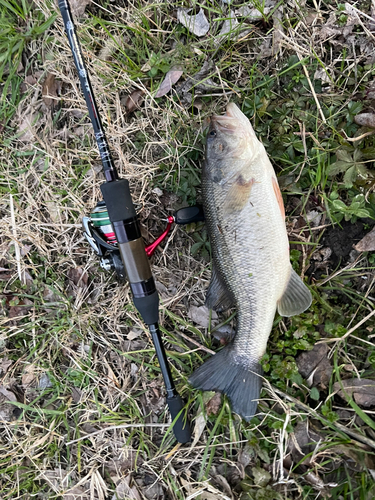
pixel 226 373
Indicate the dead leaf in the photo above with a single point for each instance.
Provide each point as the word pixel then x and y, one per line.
pixel 213 405
pixel 125 491
pixel 44 382
pixel 20 309
pixel 77 493
pixel 195 23
pixel 365 120
pixel 302 442
pixel 53 210
pixel 367 243
pixel 5 273
pixel 78 7
pixel 57 479
pixel 229 28
pixel 170 79
pixel 254 14
pixel 76 395
pixel 362 390
pixel 154 491
pixel 199 426
pixel 28 376
pixel 130 458
pixel 78 280
pixel 25 128
pixel 201 315
pixel 134 333
pixel 134 100
pixel 225 485
pixel 199 81
pixel 321 74
pixel 78 276
pixel 315 366
pixel 6 409
pixel 49 90
pixel 5 363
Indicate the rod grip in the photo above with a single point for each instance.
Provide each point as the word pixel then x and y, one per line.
pixel 181 428
pixel 118 200
pixel 188 215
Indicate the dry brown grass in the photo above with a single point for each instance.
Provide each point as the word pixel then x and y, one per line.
pixel 74 353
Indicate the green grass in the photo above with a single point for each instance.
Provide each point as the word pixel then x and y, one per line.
pixel 76 357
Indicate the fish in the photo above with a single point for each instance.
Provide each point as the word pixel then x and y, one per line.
pixel 251 269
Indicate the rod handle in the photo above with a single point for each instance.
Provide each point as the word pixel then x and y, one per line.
pixel 188 215
pixel 181 428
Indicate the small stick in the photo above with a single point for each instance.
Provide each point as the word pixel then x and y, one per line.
pixel 202 347
pixel 354 139
pixel 310 134
pixel 16 245
pixel 115 427
pixel 315 414
pixel 349 331
pixel 312 88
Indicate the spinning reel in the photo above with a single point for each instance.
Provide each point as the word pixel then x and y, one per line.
pixel 99 233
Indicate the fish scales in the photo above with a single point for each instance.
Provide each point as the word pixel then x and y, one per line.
pixel 246 253
pixel 250 251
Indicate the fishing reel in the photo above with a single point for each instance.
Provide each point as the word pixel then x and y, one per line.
pixel 98 231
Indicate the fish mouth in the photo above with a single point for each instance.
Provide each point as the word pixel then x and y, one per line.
pixel 225 123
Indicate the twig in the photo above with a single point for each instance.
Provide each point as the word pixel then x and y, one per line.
pixel 315 414
pixel 303 137
pixel 115 427
pixel 312 88
pixel 354 139
pixel 17 250
pixel 186 337
pixel 350 7
pixel 310 134
pixel 349 331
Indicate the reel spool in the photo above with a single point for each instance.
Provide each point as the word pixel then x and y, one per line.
pixel 99 233
pixel 100 220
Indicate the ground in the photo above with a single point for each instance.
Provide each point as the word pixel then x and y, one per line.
pixel 82 404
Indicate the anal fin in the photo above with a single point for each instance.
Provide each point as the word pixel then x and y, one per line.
pixel 296 298
pixel 218 297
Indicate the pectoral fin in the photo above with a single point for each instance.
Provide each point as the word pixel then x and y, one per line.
pixel 218 297
pixel 238 194
pixel 296 298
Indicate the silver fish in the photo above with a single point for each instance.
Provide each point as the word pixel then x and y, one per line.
pixel 251 269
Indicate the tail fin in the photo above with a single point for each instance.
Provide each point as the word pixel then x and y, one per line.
pixel 241 383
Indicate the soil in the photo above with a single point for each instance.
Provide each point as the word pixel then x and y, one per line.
pixel 337 248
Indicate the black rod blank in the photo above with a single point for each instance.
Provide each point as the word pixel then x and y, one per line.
pixel 116 194
pixel 110 171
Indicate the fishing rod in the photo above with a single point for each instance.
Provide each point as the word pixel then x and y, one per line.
pixel 113 231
